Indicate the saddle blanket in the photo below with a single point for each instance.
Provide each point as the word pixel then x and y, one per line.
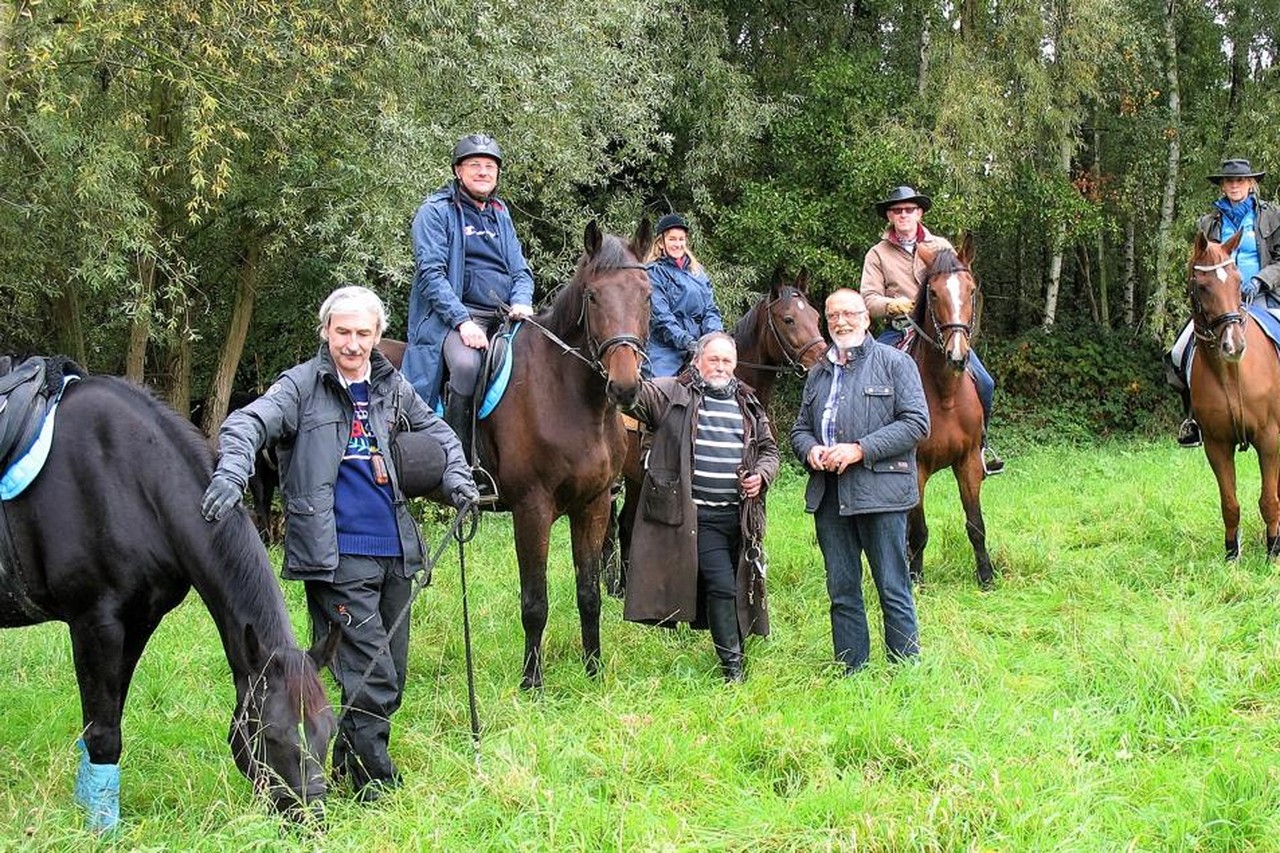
pixel 1266 320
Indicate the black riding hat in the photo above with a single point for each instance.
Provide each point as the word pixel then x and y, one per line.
pixel 671 220
pixel 901 194
pixel 1236 168
pixel 476 145
pixel 419 461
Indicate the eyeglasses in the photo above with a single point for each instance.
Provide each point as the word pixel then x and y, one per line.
pixel 832 316
pixel 479 165
pixel 902 211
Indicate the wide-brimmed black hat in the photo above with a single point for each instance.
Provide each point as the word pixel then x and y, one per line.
pixel 671 220
pixel 419 461
pixel 1235 168
pixel 901 194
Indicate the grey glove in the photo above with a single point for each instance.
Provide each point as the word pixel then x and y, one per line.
pixel 222 495
pixel 464 494
pixel 691 349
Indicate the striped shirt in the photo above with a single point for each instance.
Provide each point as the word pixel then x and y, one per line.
pixel 717 452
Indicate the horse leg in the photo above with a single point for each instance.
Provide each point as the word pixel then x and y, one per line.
pixel 969 476
pixel 917 533
pixel 586 527
pixel 1269 499
pixel 105 655
pixel 1223 462
pixel 532 522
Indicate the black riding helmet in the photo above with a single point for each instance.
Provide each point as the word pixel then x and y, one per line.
pixel 476 145
pixel 671 220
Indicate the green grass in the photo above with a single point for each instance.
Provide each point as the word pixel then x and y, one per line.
pixel 1119 689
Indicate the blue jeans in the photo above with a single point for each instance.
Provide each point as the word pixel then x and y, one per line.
pixel 882 536
pixel 986 384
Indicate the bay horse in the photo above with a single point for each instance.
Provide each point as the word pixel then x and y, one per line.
pixel 109 538
pixel 554 444
pixel 780 333
pixel 944 320
pixel 1235 386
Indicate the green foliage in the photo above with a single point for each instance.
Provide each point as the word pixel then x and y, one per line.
pixel 1078 385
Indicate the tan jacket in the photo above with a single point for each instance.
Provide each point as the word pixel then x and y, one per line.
pixel 889 272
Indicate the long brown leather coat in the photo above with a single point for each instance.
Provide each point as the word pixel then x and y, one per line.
pixel 662 579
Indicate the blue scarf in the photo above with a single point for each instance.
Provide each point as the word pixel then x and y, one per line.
pixel 1235 212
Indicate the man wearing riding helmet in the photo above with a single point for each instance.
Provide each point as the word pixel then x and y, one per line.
pixel 469 271
pixel 892 275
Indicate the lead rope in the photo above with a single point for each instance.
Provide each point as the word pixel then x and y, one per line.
pixel 473 513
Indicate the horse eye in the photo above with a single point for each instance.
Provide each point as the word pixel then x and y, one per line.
pixel 790 321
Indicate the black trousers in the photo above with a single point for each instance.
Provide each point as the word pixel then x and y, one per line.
pixel 364 600
pixel 719 545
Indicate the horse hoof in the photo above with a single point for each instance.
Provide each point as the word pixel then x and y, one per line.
pixel 531 684
pixel 987 583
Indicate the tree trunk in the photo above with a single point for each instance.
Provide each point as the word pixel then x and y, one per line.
pixel 1130 270
pixel 922 73
pixel 1159 300
pixel 178 373
pixel 219 397
pixel 66 320
pixel 1104 306
pixel 135 357
pixel 1059 239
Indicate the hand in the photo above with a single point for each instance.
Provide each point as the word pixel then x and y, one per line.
pixel 520 312
pixel 1251 288
pixel 842 456
pixel 751 485
pixel 899 305
pixel 472 335
pixel 464 495
pixel 817 457
pixel 222 495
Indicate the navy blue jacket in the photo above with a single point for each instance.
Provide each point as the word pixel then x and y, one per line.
pixel 881 407
pixel 435 300
pixel 683 310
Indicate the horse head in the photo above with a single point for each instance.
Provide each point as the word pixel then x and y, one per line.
pixel 615 308
pixel 950 301
pixel 283 724
pixel 794 325
pixel 1214 290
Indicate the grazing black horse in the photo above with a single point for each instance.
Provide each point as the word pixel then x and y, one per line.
pixel 109 538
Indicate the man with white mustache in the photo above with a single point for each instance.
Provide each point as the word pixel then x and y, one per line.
pixel 861 416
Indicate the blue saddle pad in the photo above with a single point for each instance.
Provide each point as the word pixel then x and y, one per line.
pixel 502 376
pixel 1266 321
pixel 24 469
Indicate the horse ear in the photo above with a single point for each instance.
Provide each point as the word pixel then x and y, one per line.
pixel 802 281
pixel 643 238
pixel 966 249
pixel 323 650
pixel 926 254
pixel 592 239
pixel 1199 244
pixel 1230 246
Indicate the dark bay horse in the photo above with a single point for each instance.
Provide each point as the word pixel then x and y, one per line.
pixel 1235 386
pixel 780 333
pixel 555 444
pixel 943 320
pixel 109 538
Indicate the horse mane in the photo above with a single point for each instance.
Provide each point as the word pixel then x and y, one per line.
pixel 744 330
pixel 237 550
pixel 565 309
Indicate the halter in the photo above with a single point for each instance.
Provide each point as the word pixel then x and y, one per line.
pixel 596 350
pixel 965 329
pixel 792 362
pixel 1210 329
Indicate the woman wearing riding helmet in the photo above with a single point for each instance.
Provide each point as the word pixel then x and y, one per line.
pixel 683 308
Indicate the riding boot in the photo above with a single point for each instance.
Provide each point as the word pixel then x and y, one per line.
pixel 992 464
pixel 722 618
pixel 1189 430
pixel 457 414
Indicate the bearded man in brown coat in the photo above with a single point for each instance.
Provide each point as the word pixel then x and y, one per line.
pixel 696 550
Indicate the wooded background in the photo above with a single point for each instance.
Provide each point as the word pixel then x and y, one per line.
pixel 182 181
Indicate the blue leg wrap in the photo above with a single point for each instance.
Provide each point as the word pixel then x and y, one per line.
pixel 98 790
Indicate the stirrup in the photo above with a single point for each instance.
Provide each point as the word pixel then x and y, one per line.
pixel 992 466
pixel 1189 434
pixel 487 486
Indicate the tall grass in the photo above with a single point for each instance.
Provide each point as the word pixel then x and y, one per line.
pixel 1119 689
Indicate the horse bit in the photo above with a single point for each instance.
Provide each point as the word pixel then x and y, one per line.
pixel 1212 327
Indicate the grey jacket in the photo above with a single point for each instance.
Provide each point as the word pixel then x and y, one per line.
pixel 1267 233
pixel 307 415
pixel 882 407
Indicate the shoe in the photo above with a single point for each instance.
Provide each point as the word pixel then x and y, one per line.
pixel 375 789
pixel 722 619
pixel 1189 434
pixel 992 464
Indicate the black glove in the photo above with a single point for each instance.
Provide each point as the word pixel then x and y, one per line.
pixel 222 495
pixel 691 349
pixel 464 494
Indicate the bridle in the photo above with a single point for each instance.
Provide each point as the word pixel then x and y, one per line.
pixel 1210 329
pixel 793 362
pixel 944 329
pixel 596 351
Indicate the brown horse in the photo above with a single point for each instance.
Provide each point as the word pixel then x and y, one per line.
pixel 779 333
pixel 554 444
pixel 1235 380
pixel 943 320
